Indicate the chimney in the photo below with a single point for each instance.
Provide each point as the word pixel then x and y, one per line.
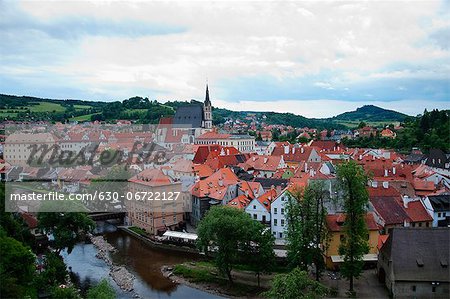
pixel 306 167
pixel 265 160
pixel 286 149
pixel 311 172
pixel 385 172
pixel 394 171
pixel 374 184
pixel 385 185
pixel 220 182
pixel 406 200
pixel 293 150
pixel 246 193
pixel 255 192
pixel 272 187
pixel 254 159
pixel 360 157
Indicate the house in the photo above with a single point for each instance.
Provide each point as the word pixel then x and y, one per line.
pixel 413 263
pixel 388 133
pixel 392 210
pixel 243 142
pixel 336 234
pixel 295 155
pixel 439 207
pixel 367 132
pixel 436 158
pixel 265 166
pixel 217 189
pixel 259 207
pixel 278 221
pixel 154 216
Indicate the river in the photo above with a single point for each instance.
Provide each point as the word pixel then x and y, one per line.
pixel 141 260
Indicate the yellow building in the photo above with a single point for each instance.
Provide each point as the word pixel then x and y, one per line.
pixel 335 229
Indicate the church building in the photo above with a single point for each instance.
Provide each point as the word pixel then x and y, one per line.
pixel 195 114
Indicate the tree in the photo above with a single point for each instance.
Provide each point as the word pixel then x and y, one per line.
pixel 295 285
pixel 352 182
pixel 65 293
pixel 103 290
pixel 234 236
pixel 55 271
pixel 65 227
pixel 306 217
pixel 259 251
pixel 16 267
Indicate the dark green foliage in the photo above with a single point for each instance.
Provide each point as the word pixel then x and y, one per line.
pixel 65 293
pixel 55 272
pixel 103 290
pixel 370 113
pixel 431 130
pixel 16 267
pixel 354 195
pixel 65 227
pixel 306 218
pixel 235 237
pixel 295 285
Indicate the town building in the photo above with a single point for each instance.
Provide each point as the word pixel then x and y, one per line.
pixel 413 263
pixel 335 228
pixel 243 143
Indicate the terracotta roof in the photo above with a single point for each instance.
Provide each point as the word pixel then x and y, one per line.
pixel 214 183
pixel 381 240
pixel 203 170
pixel 203 151
pixel 264 162
pixel 416 211
pixel 240 202
pixel 151 177
pixel 267 198
pixel 390 209
pixel 30 220
pixel 335 222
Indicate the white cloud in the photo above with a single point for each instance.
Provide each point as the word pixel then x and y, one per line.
pixel 354 41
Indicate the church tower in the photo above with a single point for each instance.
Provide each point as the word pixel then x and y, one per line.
pixel 207 111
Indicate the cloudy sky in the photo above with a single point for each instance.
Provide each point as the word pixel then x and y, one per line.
pixel 316 59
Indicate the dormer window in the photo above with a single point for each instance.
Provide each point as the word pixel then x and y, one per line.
pixel 444 263
pixel 419 262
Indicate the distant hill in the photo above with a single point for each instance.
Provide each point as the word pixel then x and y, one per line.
pixel 371 113
pixel 143 110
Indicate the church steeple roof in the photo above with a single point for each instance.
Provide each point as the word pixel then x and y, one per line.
pixel 207 100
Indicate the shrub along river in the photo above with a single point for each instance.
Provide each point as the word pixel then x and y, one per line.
pixel 141 260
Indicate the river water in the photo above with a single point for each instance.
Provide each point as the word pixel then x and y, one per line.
pixel 141 260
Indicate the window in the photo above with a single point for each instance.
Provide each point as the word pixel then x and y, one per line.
pixel 281 235
pixel 444 214
pixel 439 214
pixel 413 288
pixel 433 289
pixel 282 222
pixel 255 216
pixel 413 225
pixel 275 222
pixel 254 207
pixel 420 224
pixel 282 211
pixel 428 224
pixel 275 211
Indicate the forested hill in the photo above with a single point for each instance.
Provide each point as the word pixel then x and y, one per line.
pixel 370 113
pixel 143 110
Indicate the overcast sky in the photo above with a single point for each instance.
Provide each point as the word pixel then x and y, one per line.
pixel 316 59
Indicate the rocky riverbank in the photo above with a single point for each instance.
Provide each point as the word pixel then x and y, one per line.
pixel 119 274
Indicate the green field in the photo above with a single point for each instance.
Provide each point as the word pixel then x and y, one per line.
pixel 355 123
pixel 5 113
pixel 86 117
pixel 81 107
pixel 47 107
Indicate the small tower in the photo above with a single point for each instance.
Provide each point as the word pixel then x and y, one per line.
pixel 207 111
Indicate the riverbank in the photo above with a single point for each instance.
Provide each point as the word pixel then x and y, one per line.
pixel 204 276
pixel 119 274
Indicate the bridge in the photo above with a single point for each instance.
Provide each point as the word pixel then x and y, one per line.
pixel 103 216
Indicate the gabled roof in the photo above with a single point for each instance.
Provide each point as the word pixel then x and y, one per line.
pixel 214 183
pixel 440 203
pixel 240 202
pixel 335 222
pixel 418 254
pixel 267 198
pixel 203 151
pixel 416 211
pixel 264 162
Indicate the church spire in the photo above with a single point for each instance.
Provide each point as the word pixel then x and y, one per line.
pixel 207 101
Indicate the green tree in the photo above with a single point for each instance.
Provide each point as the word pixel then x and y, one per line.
pixel 55 271
pixel 295 285
pixel 65 293
pixel 352 181
pixel 16 267
pixel 305 228
pixel 233 235
pixel 65 227
pixel 259 250
pixel 103 290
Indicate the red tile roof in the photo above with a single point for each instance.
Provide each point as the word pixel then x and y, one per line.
pixel 240 202
pixel 416 211
pixel 264 162
pixel 335 222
